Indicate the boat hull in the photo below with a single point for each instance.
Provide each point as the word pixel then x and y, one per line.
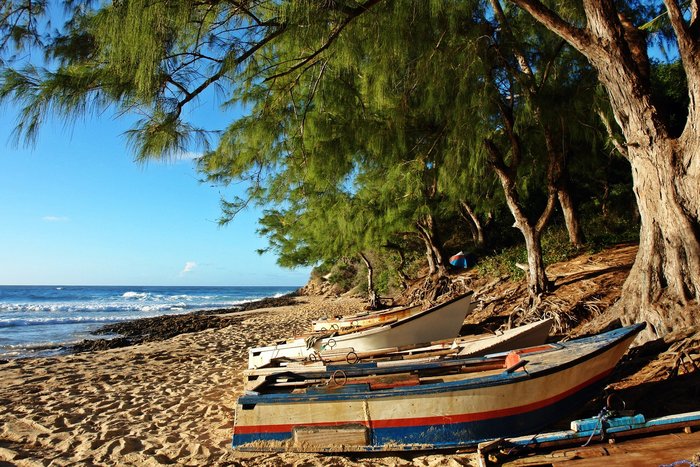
pixel 429 416
pixel 390 360
pixel 526 335
pixel 441 322
pixel 364 320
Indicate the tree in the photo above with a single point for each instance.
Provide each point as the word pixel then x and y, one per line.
pixel 383 107
pixel 154 59
pixel 535 78
pixel 382 111
pixel 523 69
pixel 663 287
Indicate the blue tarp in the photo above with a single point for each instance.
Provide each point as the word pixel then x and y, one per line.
pixel 460 260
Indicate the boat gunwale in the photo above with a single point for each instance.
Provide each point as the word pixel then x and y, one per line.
pixel 434 308
pixel 363 316
pixel 613 338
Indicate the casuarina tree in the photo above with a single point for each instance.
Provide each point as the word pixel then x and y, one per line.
pixel 663 287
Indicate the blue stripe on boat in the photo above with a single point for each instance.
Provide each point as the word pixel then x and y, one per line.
pixel 451 435
pixel 448 431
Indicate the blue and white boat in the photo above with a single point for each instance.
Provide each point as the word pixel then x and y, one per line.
pixel 433 405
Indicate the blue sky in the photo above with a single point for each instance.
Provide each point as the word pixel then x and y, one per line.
pixel 75 209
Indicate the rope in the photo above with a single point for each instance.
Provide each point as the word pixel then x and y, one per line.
pixel 602 416
pixel 311 340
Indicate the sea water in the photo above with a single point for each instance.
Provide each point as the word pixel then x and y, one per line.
pixel 43 320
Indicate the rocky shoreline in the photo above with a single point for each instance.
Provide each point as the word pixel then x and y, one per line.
pixel 167 326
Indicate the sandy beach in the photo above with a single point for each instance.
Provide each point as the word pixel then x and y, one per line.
pixel 168 402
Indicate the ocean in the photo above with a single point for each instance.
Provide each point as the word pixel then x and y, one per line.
pixel 43 320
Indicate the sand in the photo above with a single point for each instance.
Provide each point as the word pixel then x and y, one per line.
pixel 158 403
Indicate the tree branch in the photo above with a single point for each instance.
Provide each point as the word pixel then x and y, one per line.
pixel 548 209
pixel 515 146
pixel 675 16
pixel 505 175
pixel 687 45
pixel 550 62
pixel 608 127
pixel 519 56
pixel 352 14
pixel 222 71
pixel 578 38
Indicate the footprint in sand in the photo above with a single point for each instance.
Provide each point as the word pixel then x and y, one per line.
pixel 129 445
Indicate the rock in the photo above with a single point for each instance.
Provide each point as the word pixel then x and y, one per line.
pixel 164 327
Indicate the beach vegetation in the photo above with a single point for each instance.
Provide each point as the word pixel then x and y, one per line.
pixel 388 134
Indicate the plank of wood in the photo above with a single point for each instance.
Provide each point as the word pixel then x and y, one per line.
pixel 378 382
pixel 350 330
pixel 343 435
pixel 328 357
pixel 254 383
pixel 591 424
pixel 646 451
pixel 377 385
pixel 486 366
pixel 429 354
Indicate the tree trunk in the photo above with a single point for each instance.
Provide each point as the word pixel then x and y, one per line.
pixel 426 228
pixel 430 257
pixel 537 281
pixel 401 268
pixel 556 178
pixel 663 287
pixel 371 292
pixel 573 226
pixel 475 225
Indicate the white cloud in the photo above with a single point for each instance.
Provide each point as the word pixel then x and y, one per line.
pixel 189 266
pixel 181 156
pixel 54 219
pixel 188 156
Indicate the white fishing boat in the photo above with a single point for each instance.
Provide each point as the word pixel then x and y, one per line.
pixel 443 321
pixel 528 335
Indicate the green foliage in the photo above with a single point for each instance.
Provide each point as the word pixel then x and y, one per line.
pixel 555 248
pixel 362 118
pixel 344 275
pixel 20 27
pixel 613 229
pixel 670 91
pixel 503 263
pixel 383 282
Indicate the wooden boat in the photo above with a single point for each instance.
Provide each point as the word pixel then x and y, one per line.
pixel 630 440
pixel 531 334
pixel 452 404
pixel 677 448
pixel 443 321
pixel 361 320
pixel 608 427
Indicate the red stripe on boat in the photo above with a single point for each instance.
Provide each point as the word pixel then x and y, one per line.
pixel 421 421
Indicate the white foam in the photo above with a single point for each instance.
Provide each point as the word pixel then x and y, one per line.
pixel 14 322
pixel 136 295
